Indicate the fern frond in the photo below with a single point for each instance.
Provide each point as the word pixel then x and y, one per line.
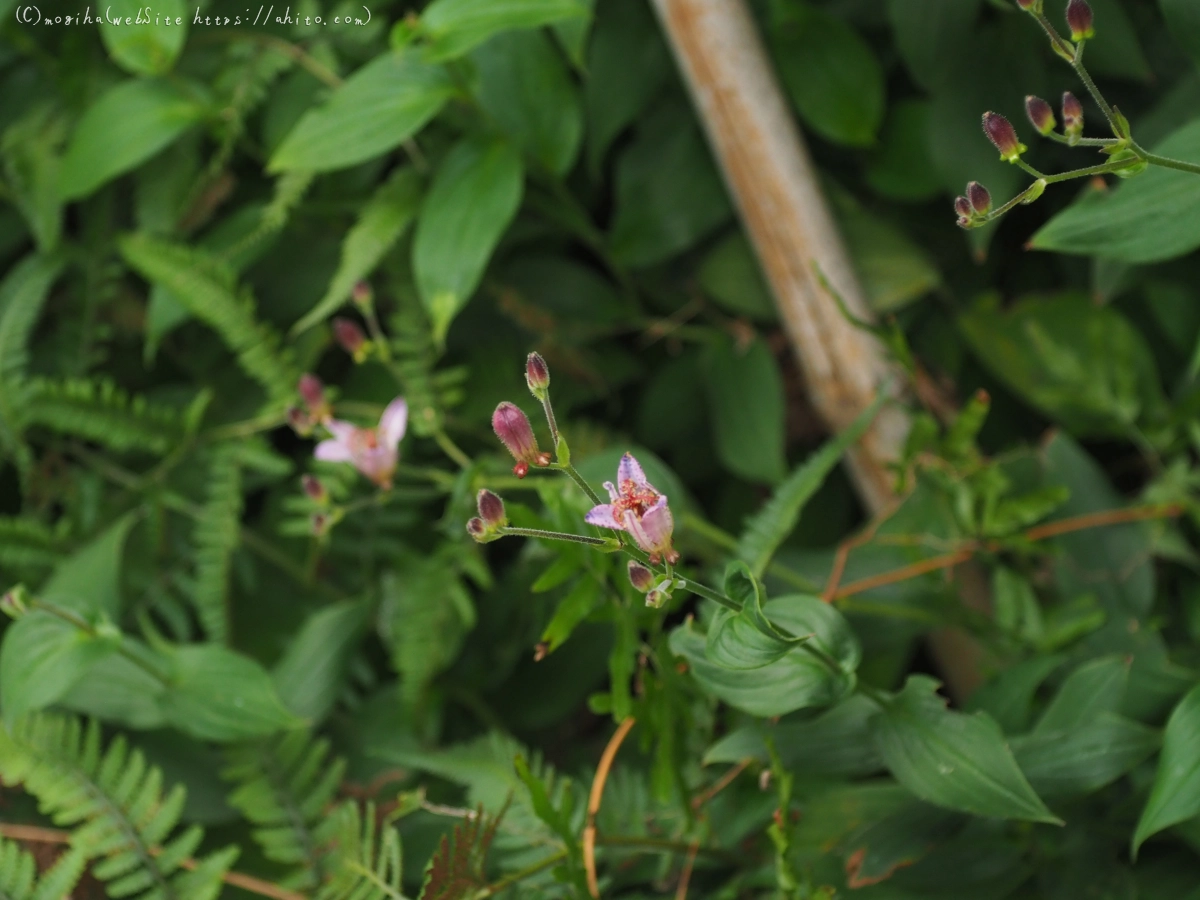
pixel 208 290
pixel 98 410
pixel 216 536
pixel 364 859
pixel 19 878
pixel 116 801
pixel 285 786
pixel 456 871
pixel 27 544
pixel 429 393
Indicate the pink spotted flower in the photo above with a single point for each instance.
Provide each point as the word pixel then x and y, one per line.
pixel 638 508
pixel 373 451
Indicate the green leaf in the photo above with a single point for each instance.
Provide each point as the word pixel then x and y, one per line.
pixel 474 197
pixel 771 525
pixel 217 695
pixel 571 611
pixel 1008 698
pixel 312 673
pixel 829 71
pixel 1096 687
pixel 745 396
pixel 116 689
pixel 1183 24
pixel 455 26
pixel 1082 364
pixel 731 276
pixel 384 103
pixel 526 88
pixel 1084 757
pixel 953 760
pixel 901 168
pixel 151 42
pixel 89 581
pixel 932 35
pixel 746 639
pixel 893 270
pixel 668 193
pixel 152 114
pixel 1175 796
pixel 1153 217
pixel 382 222
pixel 41 658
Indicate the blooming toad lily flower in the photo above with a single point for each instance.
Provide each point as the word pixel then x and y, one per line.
pixel 373 451
pixel 638 508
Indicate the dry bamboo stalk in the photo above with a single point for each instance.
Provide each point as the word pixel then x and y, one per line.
pixel 772 181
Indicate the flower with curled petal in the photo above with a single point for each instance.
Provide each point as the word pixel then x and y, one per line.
pixel 373 451
pixel 637 507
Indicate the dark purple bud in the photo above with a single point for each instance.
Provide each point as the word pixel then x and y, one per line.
pixel 640 577
pixel 1072 113
pixel 516 434
pixel 491 509
pixel 319 523
pixel 964 222
pixel 477 529
pixel 962 206
pixel 1041 116
pixel 981 200
pixel 299 421
pixel 311 390
pixel 362 295
pixel 1001 133
pixel 537 375
pixel 1079 20
pixel 349 335
pixel 314 489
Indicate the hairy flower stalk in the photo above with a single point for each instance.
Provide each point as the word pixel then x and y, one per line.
pixel 373 451
pixel 638 508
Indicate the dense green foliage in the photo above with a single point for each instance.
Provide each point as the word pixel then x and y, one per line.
pixel 232 667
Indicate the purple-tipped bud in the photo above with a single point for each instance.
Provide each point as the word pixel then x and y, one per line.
pixel 1072 113
pixel 516 434
pixel 15 603
pixel 980 198
pixel 491 509
pixel 350 336
pixel 312 392
pixel 640 577
pixel 299 421
pixel 1001 133
pixel 1079 20
pixel 319 523
pixel 537 375
pixel 1030 5
pixel 362 295
pixel 477 529
pixel 964 222
pixel 313 488
pixel 962 206
pixel 1041 116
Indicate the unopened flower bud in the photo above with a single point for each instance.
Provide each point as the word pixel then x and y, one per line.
pixel 491 509
pixel 640 577
pixel 964 222
pixel 314 489
pixel 962 206
pixel 477 529
pixel 1001 133
pixel 1072 113
pixel 15 602
pixel 299 421
pixel 537 375
pixel 1079 20
pixel 1041 116
pixel 319 523
pixel 980 198
pixel 513 428
pixel 362 295
pixel 351 337
pixel 312 392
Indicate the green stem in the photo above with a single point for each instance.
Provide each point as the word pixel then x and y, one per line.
pixel 69 617
pixel 508 881
pixel 452 449
pixel 551 421
pixel 879 698
pixel 556 536
pixel 1167 163
pixel 726 541
pixel 1028 168
pixel 1103 169
pixel 583 485
pixel 1082 142
pixel 1086 78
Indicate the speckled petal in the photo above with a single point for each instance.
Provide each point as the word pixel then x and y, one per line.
pixel 333 451
pixel 603 516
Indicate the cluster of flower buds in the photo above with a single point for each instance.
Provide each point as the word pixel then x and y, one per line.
pixel 973 208
pixel 658 589
pixel 491 519
pixel 316 409
pixel 516 434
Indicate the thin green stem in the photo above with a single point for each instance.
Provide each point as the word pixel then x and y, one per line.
pixel 727 541
pixel 1086 78
pixel 1082 142
pixel 557 536
pixel 879 698
pixel 1028 168
pixel 452 449
pixel 578 479
pixel 1167 163
pixel 245 428
pixel 1103 169
pixel 508 881
pixel 66 615
pixel 709 594
pixel 550 420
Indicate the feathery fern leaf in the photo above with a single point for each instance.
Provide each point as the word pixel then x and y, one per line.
pixel 98 410
pixel 208 290
pixel 116 800
pixel 27 544
pixel 216 537
pixel 456 871
pixel 429 393
pixel 365 859
pixel 19 879
pixel 285 786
